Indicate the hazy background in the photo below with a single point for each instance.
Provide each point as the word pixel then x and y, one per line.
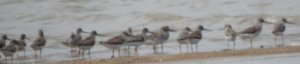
pixel 59 18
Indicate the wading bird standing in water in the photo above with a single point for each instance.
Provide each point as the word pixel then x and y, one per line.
pixel 278 30
pixel 195 37
pixel 252 31
pixel 39 43
pixel 182 38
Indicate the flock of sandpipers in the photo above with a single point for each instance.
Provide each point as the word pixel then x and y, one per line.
pixel 127 39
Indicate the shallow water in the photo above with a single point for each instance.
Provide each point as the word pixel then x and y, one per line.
pixel 59 18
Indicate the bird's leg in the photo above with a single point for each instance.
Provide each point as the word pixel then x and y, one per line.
pixel 11 59
pixel 35 53
pixel 197 47
pixel 79 52
pixel 282 39
pixel 154 49
pixel 89 52
pixel 187 47
pixel 192 48
pixel 251 43
pixel 128 50
pixel 180 48
pixel 162 48
pixel 5 59
pixel 17 55
pixel 119 52
pixel 275 41
pixel 228 44
pixel 113 53
pixel 24 52
pixel 82 54
pixel 136 50
pixel 233 44
pixel 71 50
pixel 41 53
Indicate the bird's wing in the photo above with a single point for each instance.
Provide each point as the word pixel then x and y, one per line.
pixel 195 35
pixel 87 41
pixel 153 36
pixel 279 28
pixel 116 40
pixel 9 48
pixel 135 39
pixel 40 41
pixel 251 29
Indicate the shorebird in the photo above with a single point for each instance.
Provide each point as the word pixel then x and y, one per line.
pixel 10 50
pixel 3 41
pixel 194 37
pixel 39 43
pixel 22 44
pixel 137 40
pixel 182 38
pixel 114 43
pixel 160 37
pixel 88 43
pixel 129 31
pixel 278 30
pixel 75 38
pixel 230 35
pixel 252 31
pixel 70 42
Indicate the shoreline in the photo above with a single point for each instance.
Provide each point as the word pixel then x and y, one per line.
pixel 187 56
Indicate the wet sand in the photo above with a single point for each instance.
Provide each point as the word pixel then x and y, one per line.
pixel 189 56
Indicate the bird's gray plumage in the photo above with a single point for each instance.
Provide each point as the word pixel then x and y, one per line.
pixel 279 29
pixel 230 35
pixel 39 43
pixel 159 37
pixel 182 38
pixel 10 50
pixel 252 31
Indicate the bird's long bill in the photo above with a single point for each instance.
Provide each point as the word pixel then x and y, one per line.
pixel 151 32
pixel 206 29
pixel 100 35
pixel 289 22
pixel 268 22
pixel 172 30
pixel 28 38
pixel 85 32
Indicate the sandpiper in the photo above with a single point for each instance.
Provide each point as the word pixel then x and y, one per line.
pixel 10 50
pixel 22 44
pixel 39 43
pixel 194 37
pixel 114 43
pixel 136 40
pixel 75 38
pixel 182 38
pixel 252 31
pixel 278 30
pixel 70 42
pixel 3 41
pixel 160 37
pixel 129 30
pixel 230 35
pixel 88 43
